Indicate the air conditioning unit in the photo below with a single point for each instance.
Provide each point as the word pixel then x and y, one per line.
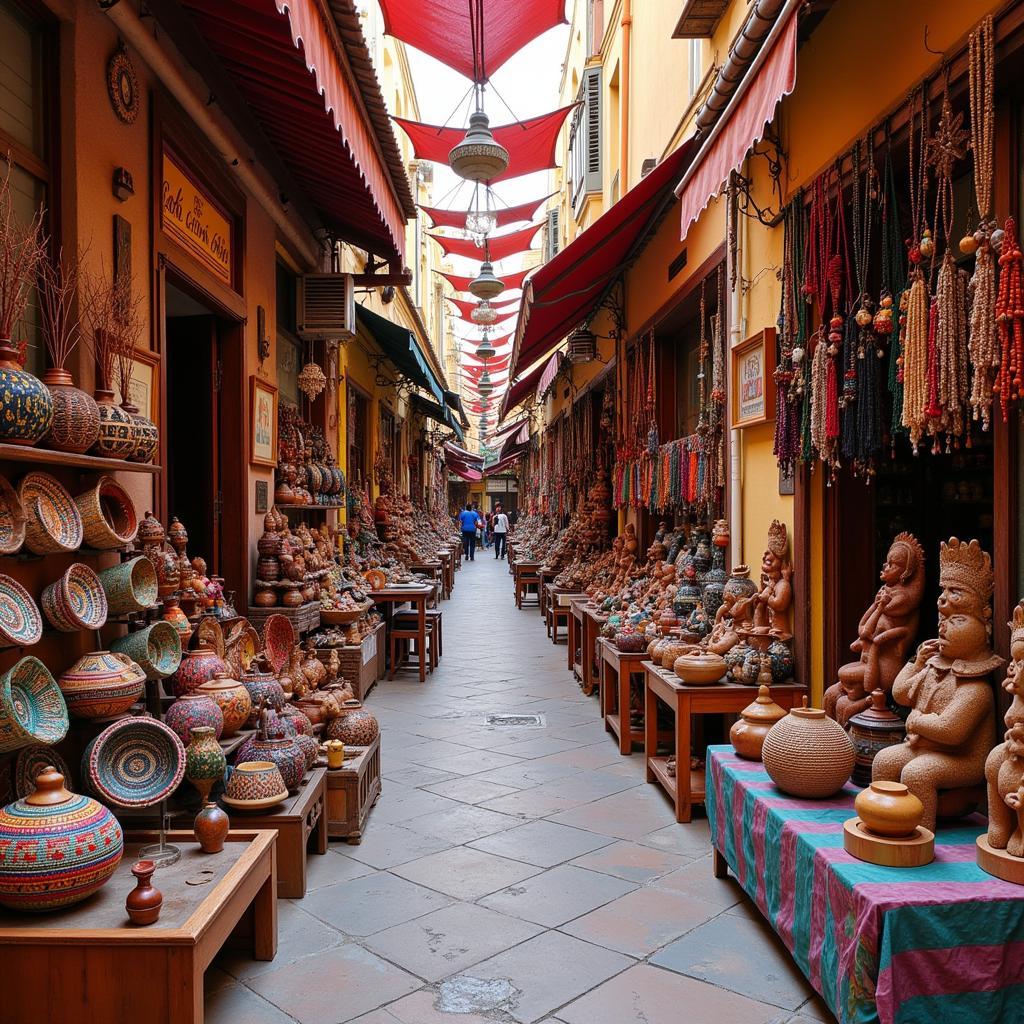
pixel 326 307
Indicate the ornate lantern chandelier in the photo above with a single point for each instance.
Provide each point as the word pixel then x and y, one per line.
pixel 485 285
pixel 480 223
pixel 478 157
pixel 485 350
pixel 484 314
pixel 311 381
pixel 485 387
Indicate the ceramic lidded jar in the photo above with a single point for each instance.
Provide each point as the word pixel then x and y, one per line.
pixel 205 762
pixel 889 809
pixel 231 697
pixel 872 730
pixel 671 651
pixel 748 732
pixel 196 668
pixel 69 846
pixel 194 710
pixel 807 754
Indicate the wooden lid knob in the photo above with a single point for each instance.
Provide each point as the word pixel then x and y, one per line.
pixel 49 789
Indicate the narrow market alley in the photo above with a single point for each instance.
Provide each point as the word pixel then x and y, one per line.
pixel 499 878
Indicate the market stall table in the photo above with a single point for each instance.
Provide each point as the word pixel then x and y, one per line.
pixel 616 673
pixel 352 790
pixel 434 570
pixel 686 787
pixel 87 963
pixel 593 623
pixel 576 607
pixel 894 945
pixel 418 596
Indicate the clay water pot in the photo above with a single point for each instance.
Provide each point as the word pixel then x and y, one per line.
pixel 889 809
pixel 231 697
pixel 355 726
pixel 211 827
pixel 808 754
pixel 145 900
pixel 748 732
pixel 671 651
pixel 75 426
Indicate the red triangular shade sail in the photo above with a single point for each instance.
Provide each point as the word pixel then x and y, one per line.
pixel 511 281
pixel 466 308
pixel 530 143
pixel 475 37
pixel 494 365
pixel 496 342
pixel 498 246
pixel 502 217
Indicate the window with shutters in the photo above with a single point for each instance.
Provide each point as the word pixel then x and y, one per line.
pixel 585 139
pixel 551 238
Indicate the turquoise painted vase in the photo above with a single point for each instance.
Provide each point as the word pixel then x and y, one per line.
pixel 26 407
pixel 63 847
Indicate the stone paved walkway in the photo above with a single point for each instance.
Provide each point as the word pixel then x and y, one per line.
pixel 513 874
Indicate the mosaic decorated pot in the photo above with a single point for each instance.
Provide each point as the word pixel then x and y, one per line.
pixel 263 689
pixel 211 827
pixel 117 431
pixel 76 416
pixel 147 436
pixel 21 625
pixel 156 649
pixel 130 586
pixel 176 619
pixel 53 524
pixel 231 697
pixel 289 758
pixel 134 762
pixel 32 708
pixel 205 762
pixel 75 601
pixel 67 847
pixel 26 407
pixel 193 711
pixel 108 515
pixel 255 785
pixel 197 667
pixel 309 746
pixel 355 727
pixel 102 684
pixel 631 642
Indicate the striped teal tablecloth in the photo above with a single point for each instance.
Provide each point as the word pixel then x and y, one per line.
pixel 931 945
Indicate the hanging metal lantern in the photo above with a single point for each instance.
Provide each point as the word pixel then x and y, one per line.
pixel 478 157
pixel 480 223
pixel 311 381
pixel 485 386
pixel 582 347
pixel 483 314
pixel 485 350
pixel 485 285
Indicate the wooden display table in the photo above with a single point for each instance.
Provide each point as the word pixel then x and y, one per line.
pixel 435 571
pixel 351 791
pixel 576 607
pixel 448 563
pixel 361 665
pixel 593 623
pixel 616 673
pixel 301 825
pixel 526 575
pixel 686 788
pixel 88 963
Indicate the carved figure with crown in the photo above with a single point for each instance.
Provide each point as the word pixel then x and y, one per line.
pixel 950 728
pixel 775 597
pixel 886 631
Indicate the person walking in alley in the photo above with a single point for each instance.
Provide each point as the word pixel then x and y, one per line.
pixel 500 527
pixel 467 524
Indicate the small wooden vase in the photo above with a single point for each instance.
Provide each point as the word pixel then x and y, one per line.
pixel 145 900
pixel 748 733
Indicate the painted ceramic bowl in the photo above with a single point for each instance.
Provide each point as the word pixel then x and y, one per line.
pixel 130 586
pixel 254 786
pixel 108 515
pixel 278 641
pixel 102 684
pixel 194 711
pixel 29 762
pixel 134 762
pixel 211 634
pixel 21 625
pixel 68 847
pixel 232 698
pixel 52 521
pixel 12 519
pixel 196 668
pixel 289 758
pixel 76 601
pixel 32 708
pixel 155 649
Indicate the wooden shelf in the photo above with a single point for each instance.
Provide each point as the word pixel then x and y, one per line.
pixel 48 457
pixel 658 766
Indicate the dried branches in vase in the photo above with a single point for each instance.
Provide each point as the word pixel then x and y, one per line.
pixel 25 407
pixel 76 416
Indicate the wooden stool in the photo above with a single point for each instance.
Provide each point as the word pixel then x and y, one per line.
pixel 434 620
pixel 525 580
pixel 399 637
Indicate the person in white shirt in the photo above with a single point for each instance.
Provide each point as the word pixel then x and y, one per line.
pixel 500 528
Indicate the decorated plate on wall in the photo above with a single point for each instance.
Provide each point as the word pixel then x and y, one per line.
pixel 30 762
pixel 134 762
pixel 278 641
pixel 21 625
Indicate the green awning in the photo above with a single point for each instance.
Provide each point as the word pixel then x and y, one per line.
pixel 400 346
pixel 440 413
pixel 454 401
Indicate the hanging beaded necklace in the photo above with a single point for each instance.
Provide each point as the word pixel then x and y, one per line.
pixel 1010 321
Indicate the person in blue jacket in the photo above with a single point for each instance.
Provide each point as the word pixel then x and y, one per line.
pixel 467 524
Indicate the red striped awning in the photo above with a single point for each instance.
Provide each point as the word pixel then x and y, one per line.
pixel 311 101
pixel 497 247
pixel 530 143
pixel 757 96
pixel 503 216
pixel 526 386
pixel 475 37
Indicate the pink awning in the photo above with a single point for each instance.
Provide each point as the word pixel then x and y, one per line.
pixel 498 247
pixel 511 428
pixel 475 37
pixel 530 144
pixel 756 99
pixel 502 317
pixel 502 217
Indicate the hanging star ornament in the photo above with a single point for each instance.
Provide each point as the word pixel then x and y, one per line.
pixel 949 145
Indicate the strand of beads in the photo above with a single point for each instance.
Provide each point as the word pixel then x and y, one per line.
pixel 915 359
pixel 1010 321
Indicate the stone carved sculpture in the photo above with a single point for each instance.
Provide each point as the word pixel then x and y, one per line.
pixel 775 598
pixel 950 729
pixel 885 632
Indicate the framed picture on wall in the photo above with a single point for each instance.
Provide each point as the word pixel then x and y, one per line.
pixel 144 385
pixel 262 422
pixel 753 383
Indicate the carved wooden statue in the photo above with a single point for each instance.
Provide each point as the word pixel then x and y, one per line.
pixel 885 633
pixel 773 602
pixel 950 730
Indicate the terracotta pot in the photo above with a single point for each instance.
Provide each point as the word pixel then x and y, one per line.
pixel 211 827
pixel 231 697
pixel 265 598
pixel 102 684
pixel 889 809
pixel 75 426
pixel 808 754
pixel 196 668
pixel 672 650
pixel 145 900
pixel 699 669
pixel 204 760
pixel 192 711
pixel 293 598
pixel 175 617
pixel 756 719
